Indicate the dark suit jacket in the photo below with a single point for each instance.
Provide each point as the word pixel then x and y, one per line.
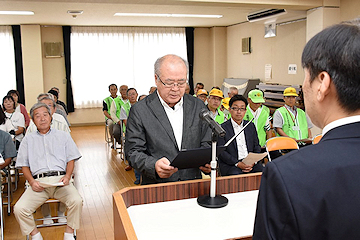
pixel 313 193
pixel 149 137
pixel 229 157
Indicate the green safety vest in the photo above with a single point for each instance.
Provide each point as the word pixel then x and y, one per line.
pixel 259 122
pixel 297 130
pixel 220 118
pixel 118 104
pixel 108 102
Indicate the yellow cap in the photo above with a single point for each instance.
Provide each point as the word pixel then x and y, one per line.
pixel 290 91
pixel 225 103
pixel 201 91
pixel 216 92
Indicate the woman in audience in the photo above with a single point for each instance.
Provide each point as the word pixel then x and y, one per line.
pixel 17 119
pixel 19 107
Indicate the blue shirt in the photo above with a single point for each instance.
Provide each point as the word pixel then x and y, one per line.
pixel 47 152
pixel 7 146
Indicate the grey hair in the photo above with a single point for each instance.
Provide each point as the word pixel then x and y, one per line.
pixel 37 106
pixel 160 61
pixel 43 95
pixel 48 98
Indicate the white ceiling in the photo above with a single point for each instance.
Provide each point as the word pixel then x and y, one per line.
pixel 100 13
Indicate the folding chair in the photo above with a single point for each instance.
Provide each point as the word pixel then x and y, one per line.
pixel 280 143
pixel 1 211
pixel 316 139
pixel 122 144
pixel 8 192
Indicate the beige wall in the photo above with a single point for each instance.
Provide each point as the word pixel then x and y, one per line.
pixel 279 51
pixel 349 9
pixel 210 61
pixel 32 63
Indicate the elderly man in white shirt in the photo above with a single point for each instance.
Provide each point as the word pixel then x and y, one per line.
pixel 47 157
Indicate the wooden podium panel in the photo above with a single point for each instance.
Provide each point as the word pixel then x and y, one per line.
pixel 123 228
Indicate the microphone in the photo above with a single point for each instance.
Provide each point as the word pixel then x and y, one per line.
pixel 205 115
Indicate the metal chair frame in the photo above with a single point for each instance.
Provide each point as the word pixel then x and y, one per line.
pixel 280 143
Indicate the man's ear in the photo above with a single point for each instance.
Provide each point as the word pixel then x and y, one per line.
pixel 324 86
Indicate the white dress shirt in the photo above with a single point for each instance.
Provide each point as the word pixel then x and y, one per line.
pixel 340 122
pixel 240 140
pixel 176 118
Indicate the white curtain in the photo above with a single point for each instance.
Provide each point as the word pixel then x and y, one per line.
pixel 7 61
pixel 121 55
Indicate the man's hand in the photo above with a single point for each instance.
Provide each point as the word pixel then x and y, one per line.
pixel 206 168
pixel 36 186
pixel 244 167
pixel 65 179
pixel 163 168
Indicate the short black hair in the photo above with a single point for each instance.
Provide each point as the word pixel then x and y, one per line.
pixel 336 50
pixel 13 91
pixel 113 84
pixel 199 83
pixel 54 92
pixel 8 97
pixel 130 89
pixel 238 98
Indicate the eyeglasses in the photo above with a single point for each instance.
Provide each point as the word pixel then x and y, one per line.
pixel 171 84
pixel 237 109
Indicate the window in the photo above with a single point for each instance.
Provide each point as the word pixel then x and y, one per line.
pixel 121 55
pixel 7 61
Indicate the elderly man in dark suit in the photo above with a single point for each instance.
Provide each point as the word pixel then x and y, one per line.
pixel 314 193
pixel 230 161
pixel 165 122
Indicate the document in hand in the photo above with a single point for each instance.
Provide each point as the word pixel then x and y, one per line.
pixel 253 158
pixel 194 158
pixel 46 185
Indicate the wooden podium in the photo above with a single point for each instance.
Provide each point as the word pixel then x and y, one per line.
pixel 123 228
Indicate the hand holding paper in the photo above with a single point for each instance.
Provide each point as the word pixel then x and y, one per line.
pixel 46 185
pixel 253 158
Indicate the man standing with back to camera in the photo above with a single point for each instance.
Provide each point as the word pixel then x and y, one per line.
pixel 164 123
pixel 314 193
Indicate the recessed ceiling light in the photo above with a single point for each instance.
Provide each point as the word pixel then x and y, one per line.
pixel 17 13
pixel 166 15
pixel 75 12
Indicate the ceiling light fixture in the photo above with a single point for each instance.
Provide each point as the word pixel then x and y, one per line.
pixel 16 13
pixel 74 13
pixel 166 15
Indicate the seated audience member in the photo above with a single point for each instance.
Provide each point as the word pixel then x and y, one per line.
pixel 19 107
pixel 58 101
pixel 58 111
pixel 261 114
pixel 60 152
pixel 225 107
pixel 233 91
pixel 214 101
pixel 290 121
pixel 17 120
pixel 198 86
pixel 5 123
pixel 230 161
pixel 106 108
pixel 7 149
pixel 187 89
pixel 115 110
pixel 202 94
pixel 55 95
pixel 58 122
pixel 152 89
pixel 141 97
pixel 132 96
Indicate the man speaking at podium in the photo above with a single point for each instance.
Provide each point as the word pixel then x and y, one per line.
pixel 164 123
pixel 314 193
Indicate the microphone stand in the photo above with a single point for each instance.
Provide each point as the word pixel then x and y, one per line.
pixel 213 200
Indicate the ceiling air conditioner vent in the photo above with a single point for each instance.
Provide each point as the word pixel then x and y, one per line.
pixel 265 14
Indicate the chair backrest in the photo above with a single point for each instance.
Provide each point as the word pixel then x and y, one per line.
pixel 316 139
pixel 279 143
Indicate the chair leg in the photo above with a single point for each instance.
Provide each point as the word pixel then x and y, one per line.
pixel 1 213
pixel 9 192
